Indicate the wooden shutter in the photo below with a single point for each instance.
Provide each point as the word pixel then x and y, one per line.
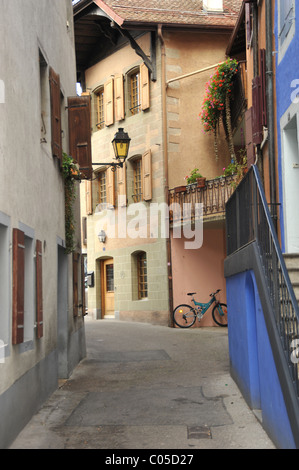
pixel 119 98
pixel 147 175
pixel 110 187
pixel 122 185
pixel 80 132
pixel 83 286
pixel 263 86
pixel 39 288
pixel 108 102
pixel 55 114
pixel 88 197
pixel 144 84
pixel 18 287
pixel 76 257
pixel 257 126
pixel 249 141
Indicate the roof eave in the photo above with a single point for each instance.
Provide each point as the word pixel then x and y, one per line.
pixel 236 28
pixel 151 26
pixel 118 20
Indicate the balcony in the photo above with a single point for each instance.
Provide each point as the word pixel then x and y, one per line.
pixel 213 196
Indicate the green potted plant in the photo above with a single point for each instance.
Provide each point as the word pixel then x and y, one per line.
pixel 237 168
pixel 195 179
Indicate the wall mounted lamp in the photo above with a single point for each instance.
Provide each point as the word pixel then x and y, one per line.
pixel 102 236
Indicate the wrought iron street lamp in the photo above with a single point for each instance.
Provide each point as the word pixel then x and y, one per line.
pixel 121 144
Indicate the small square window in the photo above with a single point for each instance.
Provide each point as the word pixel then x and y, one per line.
pixel 213 5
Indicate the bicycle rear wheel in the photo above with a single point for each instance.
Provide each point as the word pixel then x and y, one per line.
pixel 184 316
pixel 219 314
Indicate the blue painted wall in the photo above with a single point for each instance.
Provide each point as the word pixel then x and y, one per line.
pixel 286 71
pixel 252 364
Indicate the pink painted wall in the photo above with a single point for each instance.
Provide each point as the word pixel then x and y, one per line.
pixel 199 271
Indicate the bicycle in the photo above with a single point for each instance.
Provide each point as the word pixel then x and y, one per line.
pixel 185 316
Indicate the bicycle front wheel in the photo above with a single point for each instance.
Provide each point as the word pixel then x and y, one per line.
pixel 184 316
pixel 219 314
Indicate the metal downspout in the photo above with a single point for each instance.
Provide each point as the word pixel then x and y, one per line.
pixel 165 155
pixel 270 109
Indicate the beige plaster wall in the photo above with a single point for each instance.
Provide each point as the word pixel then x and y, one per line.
pixel 188 146
pixel 145 131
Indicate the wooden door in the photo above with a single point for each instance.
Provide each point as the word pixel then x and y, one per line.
pixel 108 288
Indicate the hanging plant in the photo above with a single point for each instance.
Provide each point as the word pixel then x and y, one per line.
pixel 70 173
pixel 216 103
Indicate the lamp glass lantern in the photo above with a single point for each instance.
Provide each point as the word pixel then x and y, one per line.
pixel 121 144
pixel 102 236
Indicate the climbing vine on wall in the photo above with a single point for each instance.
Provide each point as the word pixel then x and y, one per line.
pixel 70 174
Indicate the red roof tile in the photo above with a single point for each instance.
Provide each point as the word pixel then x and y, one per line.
pixel 176 12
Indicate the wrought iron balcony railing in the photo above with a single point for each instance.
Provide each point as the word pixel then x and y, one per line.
pixel 213 196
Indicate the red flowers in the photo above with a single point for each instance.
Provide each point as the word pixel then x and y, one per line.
pixel 216 90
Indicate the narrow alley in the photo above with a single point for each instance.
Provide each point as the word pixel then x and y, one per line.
pixel 147 387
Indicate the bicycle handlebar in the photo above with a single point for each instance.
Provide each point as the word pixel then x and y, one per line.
pixel 212 295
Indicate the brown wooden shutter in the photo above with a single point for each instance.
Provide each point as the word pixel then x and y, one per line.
pixel 80 132
pixel 263 86
pixel 257 126
pixel 39 288
pixel 76 257
pixel 18 287
pixel 249 141
pixel 145 86
pixel 122 185
pixel 119 98
pixel 147 175
pixel 108 102
pixel 110 187
pixel 55 114
pixel 88 197
pixel 83 286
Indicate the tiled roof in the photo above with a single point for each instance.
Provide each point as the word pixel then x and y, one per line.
pixel 176 12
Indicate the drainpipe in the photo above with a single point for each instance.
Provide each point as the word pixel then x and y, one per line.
pixel 270 109
pixel 165 155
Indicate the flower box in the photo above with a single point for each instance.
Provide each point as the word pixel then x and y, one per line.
pixel 201 182
pixel 180 189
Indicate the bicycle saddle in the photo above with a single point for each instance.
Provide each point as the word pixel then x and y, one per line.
pixel 191 293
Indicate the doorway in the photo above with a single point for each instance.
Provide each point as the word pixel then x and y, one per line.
pixel 291 186
pixel 108 288
pixel 62 309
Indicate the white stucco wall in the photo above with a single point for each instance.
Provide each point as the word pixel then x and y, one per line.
pixel 31 185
